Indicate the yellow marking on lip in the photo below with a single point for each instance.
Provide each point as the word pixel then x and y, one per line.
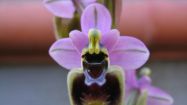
pixel 96 102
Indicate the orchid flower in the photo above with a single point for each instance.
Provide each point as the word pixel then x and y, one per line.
pixel 155 96
pixel 66 8
pixel 125 51
pixel 92 54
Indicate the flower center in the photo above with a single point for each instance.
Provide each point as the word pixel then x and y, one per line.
pixel 94 59
pixel 94 41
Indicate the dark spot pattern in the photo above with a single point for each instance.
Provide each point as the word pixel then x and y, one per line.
pixel 109 92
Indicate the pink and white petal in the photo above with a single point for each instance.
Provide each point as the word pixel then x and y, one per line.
pixel 96 16
pixel 79 39
pixel 129 53
pixel 65 54
pixel 158 95
pixel 87 2
pixel 110 38
pixel 60 8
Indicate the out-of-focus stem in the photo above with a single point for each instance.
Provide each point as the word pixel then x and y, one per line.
pixel 79 6
pixel 114 6
pixel 60 31
pixel 64 26
pixel 142 98
pixel 110 4
pixel 131 99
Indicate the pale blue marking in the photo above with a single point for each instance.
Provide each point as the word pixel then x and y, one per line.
pixel 89 80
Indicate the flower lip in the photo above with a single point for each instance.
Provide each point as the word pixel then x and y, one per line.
pixel 94 58
pixel 95 64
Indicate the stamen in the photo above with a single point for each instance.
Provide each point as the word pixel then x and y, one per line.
pixel 94 41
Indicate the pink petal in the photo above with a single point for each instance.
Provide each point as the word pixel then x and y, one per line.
pixel 144 81
pixel 129 53
pixel 96 16
pixel 153 101
pixel 110 38
pixel 130 82
pixel 130 78
pixel 60 8
pixel 80 40
pixel 65 54
pixel 158 96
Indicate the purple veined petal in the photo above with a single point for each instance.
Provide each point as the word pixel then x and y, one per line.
pixel 87 2
pixel 129 53
pixel 153 101
pixel 96 16
pixel 65 54
pixel 156 93
pixel 110 38
pixel 158 96
pixel 60 8
pixel 79 39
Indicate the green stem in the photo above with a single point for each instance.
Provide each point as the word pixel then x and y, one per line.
pixel 64 26
pixel 60 29
pixel 110 4
pixel 142 99
pixel 131 99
